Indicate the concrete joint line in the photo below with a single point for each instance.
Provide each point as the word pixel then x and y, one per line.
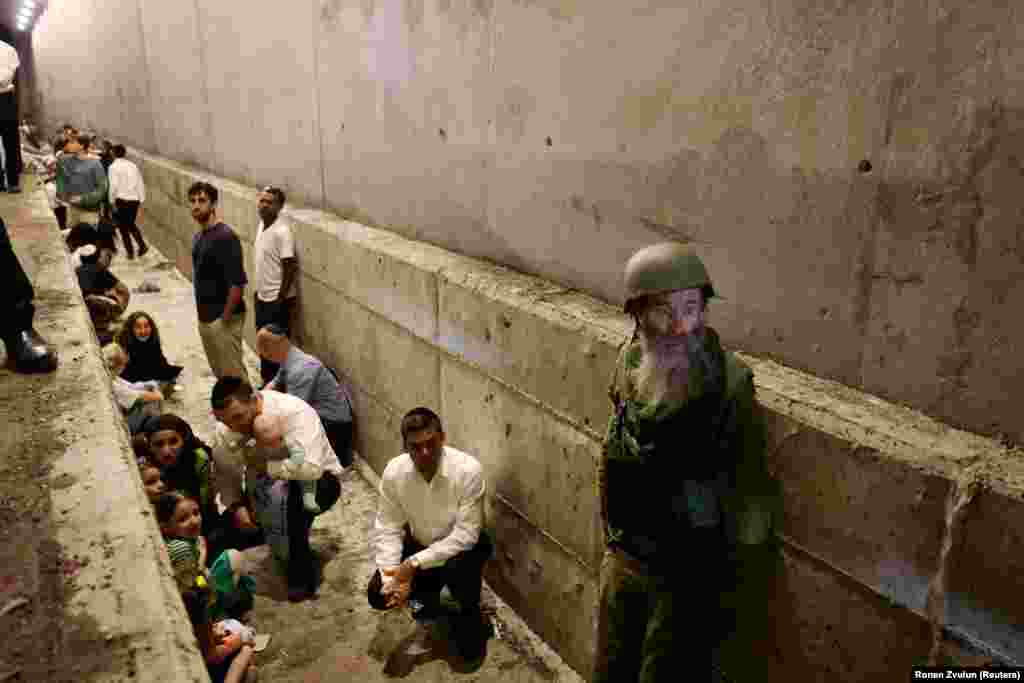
pixel 574 555
pixel 532 400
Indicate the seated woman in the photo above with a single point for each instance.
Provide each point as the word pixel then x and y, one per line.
pixel 185 461
pixel 140 337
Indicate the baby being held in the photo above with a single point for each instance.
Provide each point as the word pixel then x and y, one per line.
pixel 269 432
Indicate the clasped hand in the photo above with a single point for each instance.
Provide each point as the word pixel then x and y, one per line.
pixel 397 584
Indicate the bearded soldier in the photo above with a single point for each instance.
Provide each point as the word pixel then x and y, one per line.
pixel 685 498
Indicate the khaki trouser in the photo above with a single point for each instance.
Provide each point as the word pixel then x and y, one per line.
pixel 222 342
pixel 77 215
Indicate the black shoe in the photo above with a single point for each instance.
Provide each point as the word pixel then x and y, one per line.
pixel 14 189
pixel 28 353
pixel 300 593
pixel 142 250
pixel 471 634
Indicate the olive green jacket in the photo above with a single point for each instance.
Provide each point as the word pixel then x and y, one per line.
pixel 748 499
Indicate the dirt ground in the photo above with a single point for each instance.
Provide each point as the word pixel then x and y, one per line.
pixel 40 642
pixel 310 641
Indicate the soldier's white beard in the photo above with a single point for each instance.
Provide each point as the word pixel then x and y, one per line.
pixel 664 371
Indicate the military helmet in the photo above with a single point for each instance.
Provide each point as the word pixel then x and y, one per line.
pixel 664 267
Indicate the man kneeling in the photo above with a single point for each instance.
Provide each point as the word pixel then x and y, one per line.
pixel 428 530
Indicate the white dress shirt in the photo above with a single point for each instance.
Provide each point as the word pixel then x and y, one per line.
pixel 444 515
pixel 273 244
pixel 9 63
pixel 126 182
pixel 302 430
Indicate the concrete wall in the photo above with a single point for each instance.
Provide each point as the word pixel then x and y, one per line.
pixel 520 131
pixel 518 368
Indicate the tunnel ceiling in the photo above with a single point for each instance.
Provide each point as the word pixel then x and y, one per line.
pixel 9 12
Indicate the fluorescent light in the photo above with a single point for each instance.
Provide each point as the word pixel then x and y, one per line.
pixel 28 3
pixel 24 14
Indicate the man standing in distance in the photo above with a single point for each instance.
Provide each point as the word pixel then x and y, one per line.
pixel 127 192
pixel 9 63
pixel 81 182
pixel 276 270
pixel 218 277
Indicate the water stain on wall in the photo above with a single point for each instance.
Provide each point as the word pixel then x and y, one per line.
pixel 413 13
pixel 517 104
pixel 560 10
pixel 330 10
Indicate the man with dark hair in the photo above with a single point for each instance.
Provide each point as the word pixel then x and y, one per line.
pixel 272 473
pixel 81 181
pixel 127 193
pixel 26 350
pixel 429 530
pixel 303 375
pixel 9 132
pixel 218 278
pixel 276 270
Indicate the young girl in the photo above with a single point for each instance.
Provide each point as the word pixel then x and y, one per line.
pixel 138 401
pixel 146 360
pixel 181 524
pixel 184 462
pixel 152 484
pixel 227 645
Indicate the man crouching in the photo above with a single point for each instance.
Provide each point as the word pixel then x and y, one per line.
pixel 428 530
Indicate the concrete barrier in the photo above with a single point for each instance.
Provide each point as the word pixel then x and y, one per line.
pixel 122 617
pixel 518 368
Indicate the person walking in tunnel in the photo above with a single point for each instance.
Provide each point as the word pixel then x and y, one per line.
pixel 429 530
pixel 126 194
pixel 9 132
pixel 271 475
pixel 304 376
pixel 276 270
pixel 81 182
pixel 218 278
pixel 688 437
pixel 27 352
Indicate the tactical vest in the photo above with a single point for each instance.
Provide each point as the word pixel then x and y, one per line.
pixel 666 480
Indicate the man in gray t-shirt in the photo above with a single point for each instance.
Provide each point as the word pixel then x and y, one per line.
pixel 304 376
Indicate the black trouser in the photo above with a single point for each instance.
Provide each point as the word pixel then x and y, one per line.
pixel 339 434
pixel 268 312
pixel 301 568
pixel 16 293
pixel 463 574
pixel 61 212
pixel 11 138
pixel 125 213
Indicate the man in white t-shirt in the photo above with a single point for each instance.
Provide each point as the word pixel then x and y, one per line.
pixel 272 475
pixel 276 270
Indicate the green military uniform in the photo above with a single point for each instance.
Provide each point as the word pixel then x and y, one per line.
pixel 687 507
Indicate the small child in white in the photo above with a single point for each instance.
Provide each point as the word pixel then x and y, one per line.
pixel 136 399
pixel 269 432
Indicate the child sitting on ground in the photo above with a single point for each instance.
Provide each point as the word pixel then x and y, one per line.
pixel 152 483
pixel 181 522
pixel 226 645
pixel 140 338
pixel 137 400
pixel 269 433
